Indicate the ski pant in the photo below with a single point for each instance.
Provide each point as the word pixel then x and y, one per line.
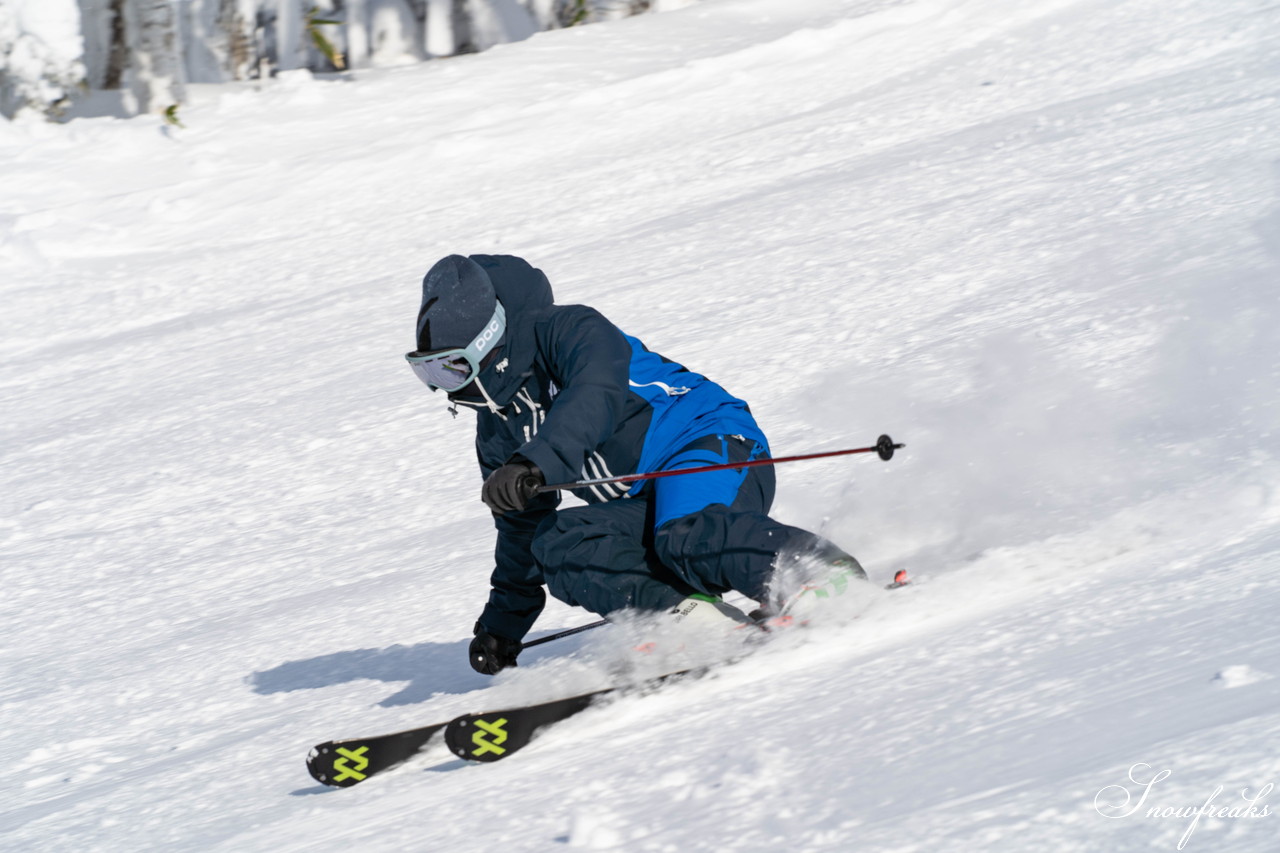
pixel 707 533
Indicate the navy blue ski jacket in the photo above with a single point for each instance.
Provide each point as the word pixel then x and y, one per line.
pixel 575 396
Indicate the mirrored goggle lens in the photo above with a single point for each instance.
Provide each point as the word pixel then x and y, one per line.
pixel 447 371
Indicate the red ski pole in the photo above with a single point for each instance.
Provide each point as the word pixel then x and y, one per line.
pixel 884 446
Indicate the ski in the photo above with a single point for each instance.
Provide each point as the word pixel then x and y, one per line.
pixel 475 737
pixel 343 763
pixel 494 735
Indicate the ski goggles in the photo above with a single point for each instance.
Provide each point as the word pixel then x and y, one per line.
pixel 450 369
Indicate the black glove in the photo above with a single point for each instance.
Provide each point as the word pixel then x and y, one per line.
pixel 511 487
pixel 489 654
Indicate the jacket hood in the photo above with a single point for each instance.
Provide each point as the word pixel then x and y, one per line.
pixel 525 294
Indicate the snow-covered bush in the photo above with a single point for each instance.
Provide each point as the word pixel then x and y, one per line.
pixel 40 49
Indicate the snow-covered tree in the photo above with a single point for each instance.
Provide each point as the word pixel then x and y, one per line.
pixel 156 74
pixel 221 39
pixel 136 46
pixel 150 49
pixel 40 49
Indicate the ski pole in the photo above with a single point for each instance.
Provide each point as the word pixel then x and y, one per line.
pixel 568 632
pixel 884 447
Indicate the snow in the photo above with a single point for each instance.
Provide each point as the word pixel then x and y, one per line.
pixel 1038 243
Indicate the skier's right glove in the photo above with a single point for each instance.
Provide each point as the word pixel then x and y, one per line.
pixel 511 487
pixel 490 654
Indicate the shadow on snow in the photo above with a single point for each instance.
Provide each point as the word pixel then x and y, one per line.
pixel 429 668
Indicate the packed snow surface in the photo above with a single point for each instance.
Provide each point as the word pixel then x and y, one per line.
pixel 1037 242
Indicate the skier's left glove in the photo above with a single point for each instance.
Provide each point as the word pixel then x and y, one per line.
pixel 489 653
pixel 511 487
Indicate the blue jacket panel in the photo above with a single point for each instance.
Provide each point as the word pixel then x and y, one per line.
pixel 684 405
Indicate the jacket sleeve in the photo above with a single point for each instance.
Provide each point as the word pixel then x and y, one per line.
pixel 516 597
pixel 591 362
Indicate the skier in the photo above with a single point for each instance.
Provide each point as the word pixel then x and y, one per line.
pixel 562 394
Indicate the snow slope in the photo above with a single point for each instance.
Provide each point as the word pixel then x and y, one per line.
pixel 1038 242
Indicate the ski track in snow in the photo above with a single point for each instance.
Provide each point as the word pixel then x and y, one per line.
pixel 1039 243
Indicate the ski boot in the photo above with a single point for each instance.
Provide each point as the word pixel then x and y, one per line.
pixel 699 609
pixel 701 616
pixel 802 583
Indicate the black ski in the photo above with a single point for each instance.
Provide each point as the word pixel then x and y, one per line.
pixel 496 734
pixel 343 763
pixel 478 737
